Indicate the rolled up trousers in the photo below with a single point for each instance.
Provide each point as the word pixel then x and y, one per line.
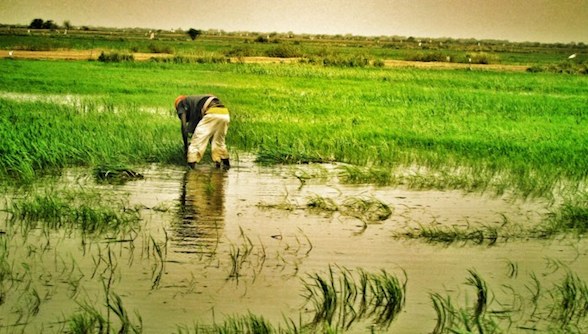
pixel 212 128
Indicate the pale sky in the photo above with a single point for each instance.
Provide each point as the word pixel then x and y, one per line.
pixel 514 20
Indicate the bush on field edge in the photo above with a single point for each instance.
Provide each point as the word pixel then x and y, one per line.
pixel 471 58
pixel 564 68
pixel 114 57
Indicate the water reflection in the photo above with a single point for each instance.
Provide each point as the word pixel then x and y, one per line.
pixel 201 211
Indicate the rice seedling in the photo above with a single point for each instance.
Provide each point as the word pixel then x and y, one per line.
pixel 245 253
pixel 341 298
pixel 484 126
pixel 481 303
pixel 366 208
pixel 159 267
pixel 87 320
pixel 246 324
pixel 452 318
pixel 570 301
pixel 373 175
pixel 72 210
pixel 117 174
pixel 570 218
pixel 319 203
pixel 126 325
pixel 452 234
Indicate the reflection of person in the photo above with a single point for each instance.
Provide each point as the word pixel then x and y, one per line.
pixel 207 119
pixel 201 210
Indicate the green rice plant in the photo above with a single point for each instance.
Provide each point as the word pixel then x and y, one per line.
pixel 89 319
pixel 71 210
pixel 117 174
pixel 366 208
pixel 342 298
pixel 5 268
pixel 244 324
pixel 52 136
pixel 241 254
pixel 481 303
pixel 86 321
pixel 476 319
pixel 571 301
pixel 159 268
pixel 269 156
pixel 570 218
pixel 474 234
pixel 126 325
pixel 321 204
pixel 373 175
pixel 445 311
pixel 512 131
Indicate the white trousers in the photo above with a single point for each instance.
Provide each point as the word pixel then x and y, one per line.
pixel 211 126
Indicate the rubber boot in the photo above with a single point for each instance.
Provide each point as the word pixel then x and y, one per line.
pixel 226 164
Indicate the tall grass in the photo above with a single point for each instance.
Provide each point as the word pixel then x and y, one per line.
pixel 524 129
pixel 41 136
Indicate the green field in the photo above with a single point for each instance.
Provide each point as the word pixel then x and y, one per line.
pixel 501 155
pixel 525 131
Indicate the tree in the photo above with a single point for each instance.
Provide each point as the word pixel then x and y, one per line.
pixel 67 24
pixel 36 24
pixel 49 24
pixel 193 33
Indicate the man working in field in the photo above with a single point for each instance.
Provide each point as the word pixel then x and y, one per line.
pixel 207 119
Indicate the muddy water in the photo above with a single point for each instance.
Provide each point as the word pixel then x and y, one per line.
pixel 203 219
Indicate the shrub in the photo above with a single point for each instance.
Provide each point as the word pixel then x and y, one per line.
pixel 241 51
pixel 427 57
pixel 114 57
pixel 284 51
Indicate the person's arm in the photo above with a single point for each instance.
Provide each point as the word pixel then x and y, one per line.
pixel 184 132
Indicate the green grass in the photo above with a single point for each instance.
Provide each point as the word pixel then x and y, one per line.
pixel 39 136
pixel 341 298
pixel 281 45
pixel 524 129
pixel 72 210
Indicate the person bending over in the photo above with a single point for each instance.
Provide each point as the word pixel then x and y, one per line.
pixel 206 119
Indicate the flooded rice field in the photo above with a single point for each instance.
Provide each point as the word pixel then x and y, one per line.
pixel 210 245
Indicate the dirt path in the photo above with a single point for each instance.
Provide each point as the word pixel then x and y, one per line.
pixel 93 54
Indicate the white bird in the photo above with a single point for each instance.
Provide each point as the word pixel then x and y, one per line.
pixel 10 53
pixel 572 56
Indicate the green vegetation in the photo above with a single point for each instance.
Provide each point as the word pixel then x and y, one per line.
pixel 40 136
pixel 468 128
pixel 563 309
pixel 507 131
pixel 47 35
pixel 341 298
pixel 79 211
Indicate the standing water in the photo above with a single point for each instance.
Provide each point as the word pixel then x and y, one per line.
pixel 211 245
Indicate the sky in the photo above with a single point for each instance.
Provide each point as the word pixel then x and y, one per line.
pixel 546 21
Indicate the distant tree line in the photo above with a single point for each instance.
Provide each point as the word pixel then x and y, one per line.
pixel 41 24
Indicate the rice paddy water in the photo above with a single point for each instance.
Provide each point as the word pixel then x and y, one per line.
pixel 187 250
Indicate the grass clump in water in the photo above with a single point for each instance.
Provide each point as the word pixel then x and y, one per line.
pixel 246 324
pixel 115 174
pixel 571 217
pixel 366 209
pixel 73 210
pixel 341 298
